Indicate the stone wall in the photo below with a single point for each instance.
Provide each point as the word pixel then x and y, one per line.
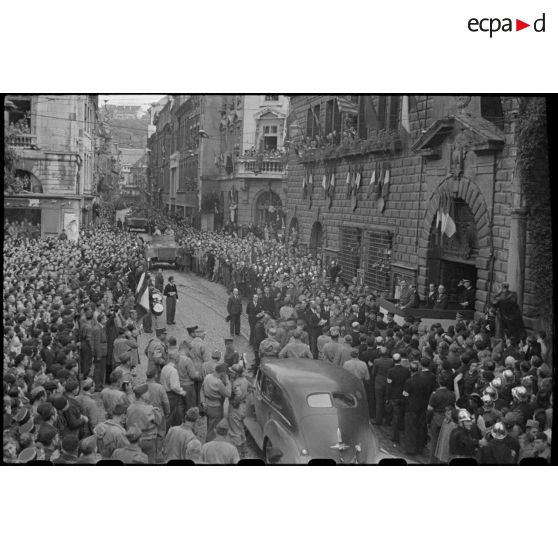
pixel 485 182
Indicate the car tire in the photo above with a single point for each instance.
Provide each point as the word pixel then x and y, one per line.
pixel 267 446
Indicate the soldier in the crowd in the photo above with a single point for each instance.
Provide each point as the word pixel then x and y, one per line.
pixel 111 433
pixel 131 454
pixel 215 389
pixel 219 451
pixel 142 414
pixel 178 442
pixel 270 347
pixel 295 348
pixel 157 351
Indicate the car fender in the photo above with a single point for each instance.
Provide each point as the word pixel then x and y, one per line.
pixel 286 441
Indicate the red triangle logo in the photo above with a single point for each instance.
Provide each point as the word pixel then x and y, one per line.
pixel 519 25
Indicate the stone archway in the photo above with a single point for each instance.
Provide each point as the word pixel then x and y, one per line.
pixel 268 209
pixel 316 239
pixel 293 230
pixel 467 194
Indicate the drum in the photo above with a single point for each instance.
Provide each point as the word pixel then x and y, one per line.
pixel 157 300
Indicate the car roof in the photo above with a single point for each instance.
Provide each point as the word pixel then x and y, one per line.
pixel 163 239
pixel 302 376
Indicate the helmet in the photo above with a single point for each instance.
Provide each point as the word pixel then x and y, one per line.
pixel 464 416
pixel 491 392
pixel 497 383
pixel 499 431
pixel 520 393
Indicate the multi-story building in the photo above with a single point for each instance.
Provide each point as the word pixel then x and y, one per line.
pixel 55 137
pixel 130 173
pixel 218 159
pixel 432 189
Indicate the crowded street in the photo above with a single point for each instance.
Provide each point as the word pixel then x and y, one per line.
pixel 144 333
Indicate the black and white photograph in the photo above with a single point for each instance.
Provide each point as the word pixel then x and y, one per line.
pixel 288 279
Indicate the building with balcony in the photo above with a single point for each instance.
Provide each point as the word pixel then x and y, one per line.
pixel 217 160
pixel 427 188
pixel 55 140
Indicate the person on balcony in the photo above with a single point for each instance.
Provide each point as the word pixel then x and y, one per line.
pixel 442 299
pixel 467 295
pixel 414 299
pixel 431 296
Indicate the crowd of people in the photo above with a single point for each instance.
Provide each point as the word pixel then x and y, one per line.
pixel 74 392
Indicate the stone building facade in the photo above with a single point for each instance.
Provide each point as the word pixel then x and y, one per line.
pixel 396 164
pixel 218 159
pixel 55 137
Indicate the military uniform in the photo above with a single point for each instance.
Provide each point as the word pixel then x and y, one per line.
pixel 220 452
pixel 142 415
pixel 295 349
pixel 157 355
pixel 269 347
pixel 130 455
pixel 110 436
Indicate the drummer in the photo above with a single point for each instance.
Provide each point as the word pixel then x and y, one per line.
pixel 157 309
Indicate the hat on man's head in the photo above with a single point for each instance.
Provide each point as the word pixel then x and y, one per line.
pixel 46 437
pixel 27 455
pixel 119 409
pixel 88 383
pixel 45 410
pixel 222 426
pixel 216 355
pixel 498 431
pixel 191 329
pixel 70 443
pixel 221 368
pixel 50 385
pixel 26 427
pixel 133 434
pixel 160 331
pixel 532 424
pixel 23 415
pixel 59 402
pixel 192 414
pixel 140 389
pixel 71 385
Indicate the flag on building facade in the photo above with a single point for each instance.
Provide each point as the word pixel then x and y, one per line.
pixel 445 214
pixel 346 106
pixel 405 114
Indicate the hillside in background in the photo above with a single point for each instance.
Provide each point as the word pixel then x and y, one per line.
pixel 128 128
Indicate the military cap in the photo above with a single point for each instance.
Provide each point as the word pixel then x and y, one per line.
pixel 28 454
pixel 140 389
pixel 60 402
pixel 192 414
pixel 216 355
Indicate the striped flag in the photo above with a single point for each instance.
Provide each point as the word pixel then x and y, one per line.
pixel 142 297
pixel 346 106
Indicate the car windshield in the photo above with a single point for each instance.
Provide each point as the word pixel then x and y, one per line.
pixel 339 400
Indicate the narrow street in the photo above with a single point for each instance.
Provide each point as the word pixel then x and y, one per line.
pixel 203 303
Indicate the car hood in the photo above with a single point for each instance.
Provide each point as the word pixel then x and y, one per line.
pixel 320 433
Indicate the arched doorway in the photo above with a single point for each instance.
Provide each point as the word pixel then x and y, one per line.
pixel 451 260
pixel 268 210
pixel 316 240
pixel 292 232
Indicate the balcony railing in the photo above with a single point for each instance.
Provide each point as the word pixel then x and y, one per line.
pixel 25 141
pixel 250 166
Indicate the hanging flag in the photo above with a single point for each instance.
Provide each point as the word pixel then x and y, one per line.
pixel 405 114
pixel 372 182
pixel 446 205
pixel 142 297
pixel 385 189
pixel 331 189
pixel 378 183
pixel 324 183
pixel 346 106
pixel 356 188
pixel 304 189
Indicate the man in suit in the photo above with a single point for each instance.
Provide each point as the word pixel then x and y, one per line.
pixel 325 312
pixel 253 310
pixel 380 370
pixel 442 299
pixel 414 299
pixel 268 302
pixel 467 296
pixel 396 378
pixel 314 327
pixel 431 295
pixel 417 392
pixel 234 309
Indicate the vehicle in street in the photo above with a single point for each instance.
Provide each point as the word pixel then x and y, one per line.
pixel 162 249
pixel 137 224
pixel 309 409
